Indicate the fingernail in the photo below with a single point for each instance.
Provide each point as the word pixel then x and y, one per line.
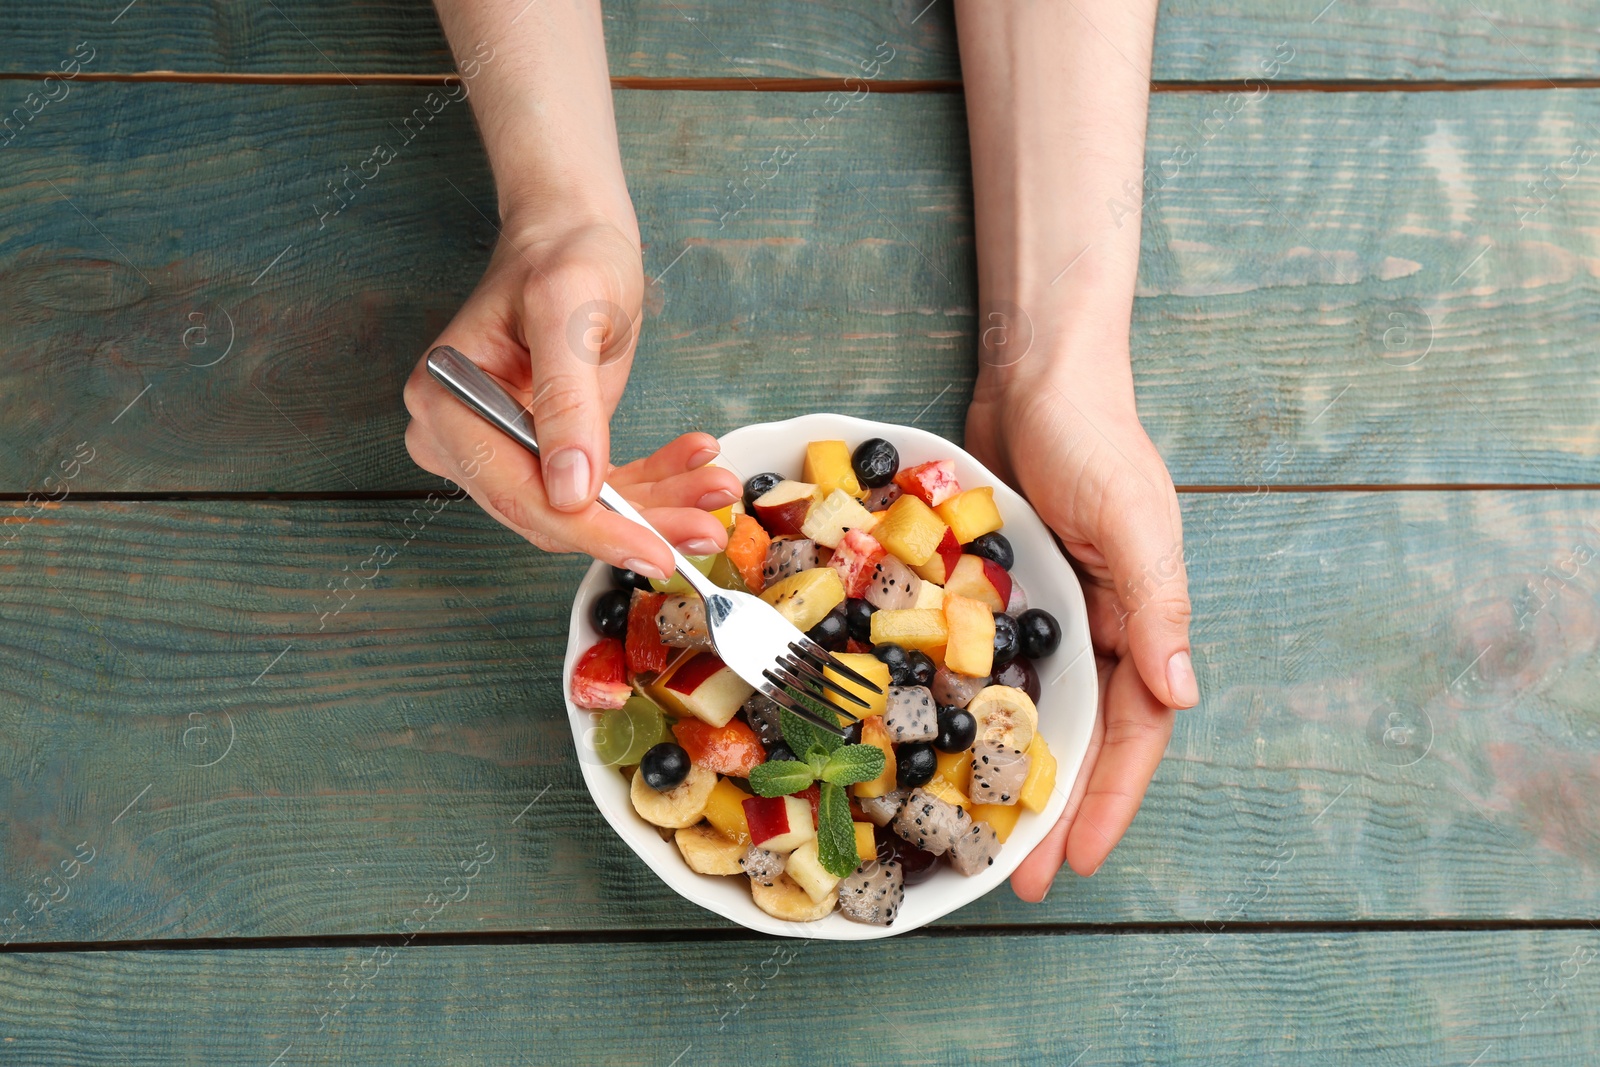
pixel 1045 895
pixel 644 567
pixel 700 546
pixel 704 456
pixel 717 498
pixel 566 478
pixel 1180 680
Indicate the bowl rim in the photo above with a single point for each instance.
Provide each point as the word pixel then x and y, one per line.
pixel 608 789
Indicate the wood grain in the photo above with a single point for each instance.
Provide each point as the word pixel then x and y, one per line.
pixel 1393 726
pixel 1519 39
pixel 1386 310
pixel 1415 998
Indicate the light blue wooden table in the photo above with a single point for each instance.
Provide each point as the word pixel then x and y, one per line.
pixel 1366 345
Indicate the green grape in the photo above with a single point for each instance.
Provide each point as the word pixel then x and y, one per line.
pixel 677 583
pixel 625 734
pixel 726 574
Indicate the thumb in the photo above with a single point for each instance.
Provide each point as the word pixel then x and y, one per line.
pixel 1143 546
pixel 581 325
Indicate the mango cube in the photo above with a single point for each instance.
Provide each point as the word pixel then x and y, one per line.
pixel 971 634
pixel 828 467
pixel 910 628
pixel 955 768
pixel 725 811
pixel 1041 780
pixel 868 666
pixel 969 514
pixel 874 732
pixel 911 530
pixel 866 846
pixel 1003 817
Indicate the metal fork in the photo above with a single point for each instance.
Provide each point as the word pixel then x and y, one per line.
pixel 757 643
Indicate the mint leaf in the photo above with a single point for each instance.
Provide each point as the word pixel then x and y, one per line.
pixel 778 778
pixel 836 836
pixel 801 736
pixel 850 764
pixel 818 759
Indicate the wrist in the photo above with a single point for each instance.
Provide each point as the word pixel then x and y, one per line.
pixel 533 214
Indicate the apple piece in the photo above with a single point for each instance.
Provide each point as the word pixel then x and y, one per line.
pixel 929 596
pixel 855 557
pixel 833 516
pixel 868 666
pixel 933 483
pixel 804 865
pixel 705 688
pixel 874 732
pixel 600 677
pixel 782 509
pixel 779 824
pixel 806 598
pixel 971 625
pixel 910 628
pixel 828 466
pixel 910 530
pixel 971 514
pixel 943 560
pixel 981 579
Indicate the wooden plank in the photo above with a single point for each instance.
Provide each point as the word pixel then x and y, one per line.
pixel 1507 997
pixel 1514 39
pixel 1393 727
pixel 1375 307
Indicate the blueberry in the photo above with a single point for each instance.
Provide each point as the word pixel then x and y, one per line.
pixel 1019 674
pixel 1038 632
pixel 915 764
pixel 993 546
pixel 831 631
pixel 758 485
pixel 665 766
pixel 858 616
pixel 780 751
pixel 610 613
pixel 1007 640
pixel 957 729
pixel 875 462
pixel 922 668
pixel 629 580
pixel 894 657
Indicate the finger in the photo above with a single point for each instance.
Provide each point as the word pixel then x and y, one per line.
pixel 580 328
pixel 1107 624
pixel 1143 544
pixel 688 452
pixel 695 532
pixel 1032 879
pixel 708 489
pixel 1137 728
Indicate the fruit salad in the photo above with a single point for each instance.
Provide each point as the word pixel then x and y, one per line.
pixel 905 575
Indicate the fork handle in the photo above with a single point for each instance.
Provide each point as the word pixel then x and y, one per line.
pixel 488 398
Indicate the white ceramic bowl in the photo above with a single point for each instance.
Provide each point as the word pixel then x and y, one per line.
pixel 1068 698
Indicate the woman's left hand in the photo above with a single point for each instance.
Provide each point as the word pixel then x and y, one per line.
pixel 1071 442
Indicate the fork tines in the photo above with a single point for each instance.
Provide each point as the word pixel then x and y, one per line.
pixel 809 650
pixel 777 688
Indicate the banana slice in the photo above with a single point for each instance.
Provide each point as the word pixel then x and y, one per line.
pixel 1004 714
pixel 679 806
pixel 708 852
pixel 784 899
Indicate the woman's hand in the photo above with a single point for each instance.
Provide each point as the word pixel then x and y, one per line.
pixel 1072 444
pixel 555 319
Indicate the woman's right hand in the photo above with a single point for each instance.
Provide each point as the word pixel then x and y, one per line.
pixel 556 318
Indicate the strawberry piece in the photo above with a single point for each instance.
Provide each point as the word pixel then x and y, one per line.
pixel 733 749
pixel 933 482
pixel 852 645
pixel 855 559
pixel 646 653
pixel 600 680
pixel 747 550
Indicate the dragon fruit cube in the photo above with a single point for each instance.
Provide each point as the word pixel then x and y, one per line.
pixel 975 849
pixel 873 893
pixel 931 824
pixel 998 771
pixel 911 714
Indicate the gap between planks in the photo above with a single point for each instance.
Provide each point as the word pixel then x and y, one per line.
pixel 727 934
pixel 826 85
